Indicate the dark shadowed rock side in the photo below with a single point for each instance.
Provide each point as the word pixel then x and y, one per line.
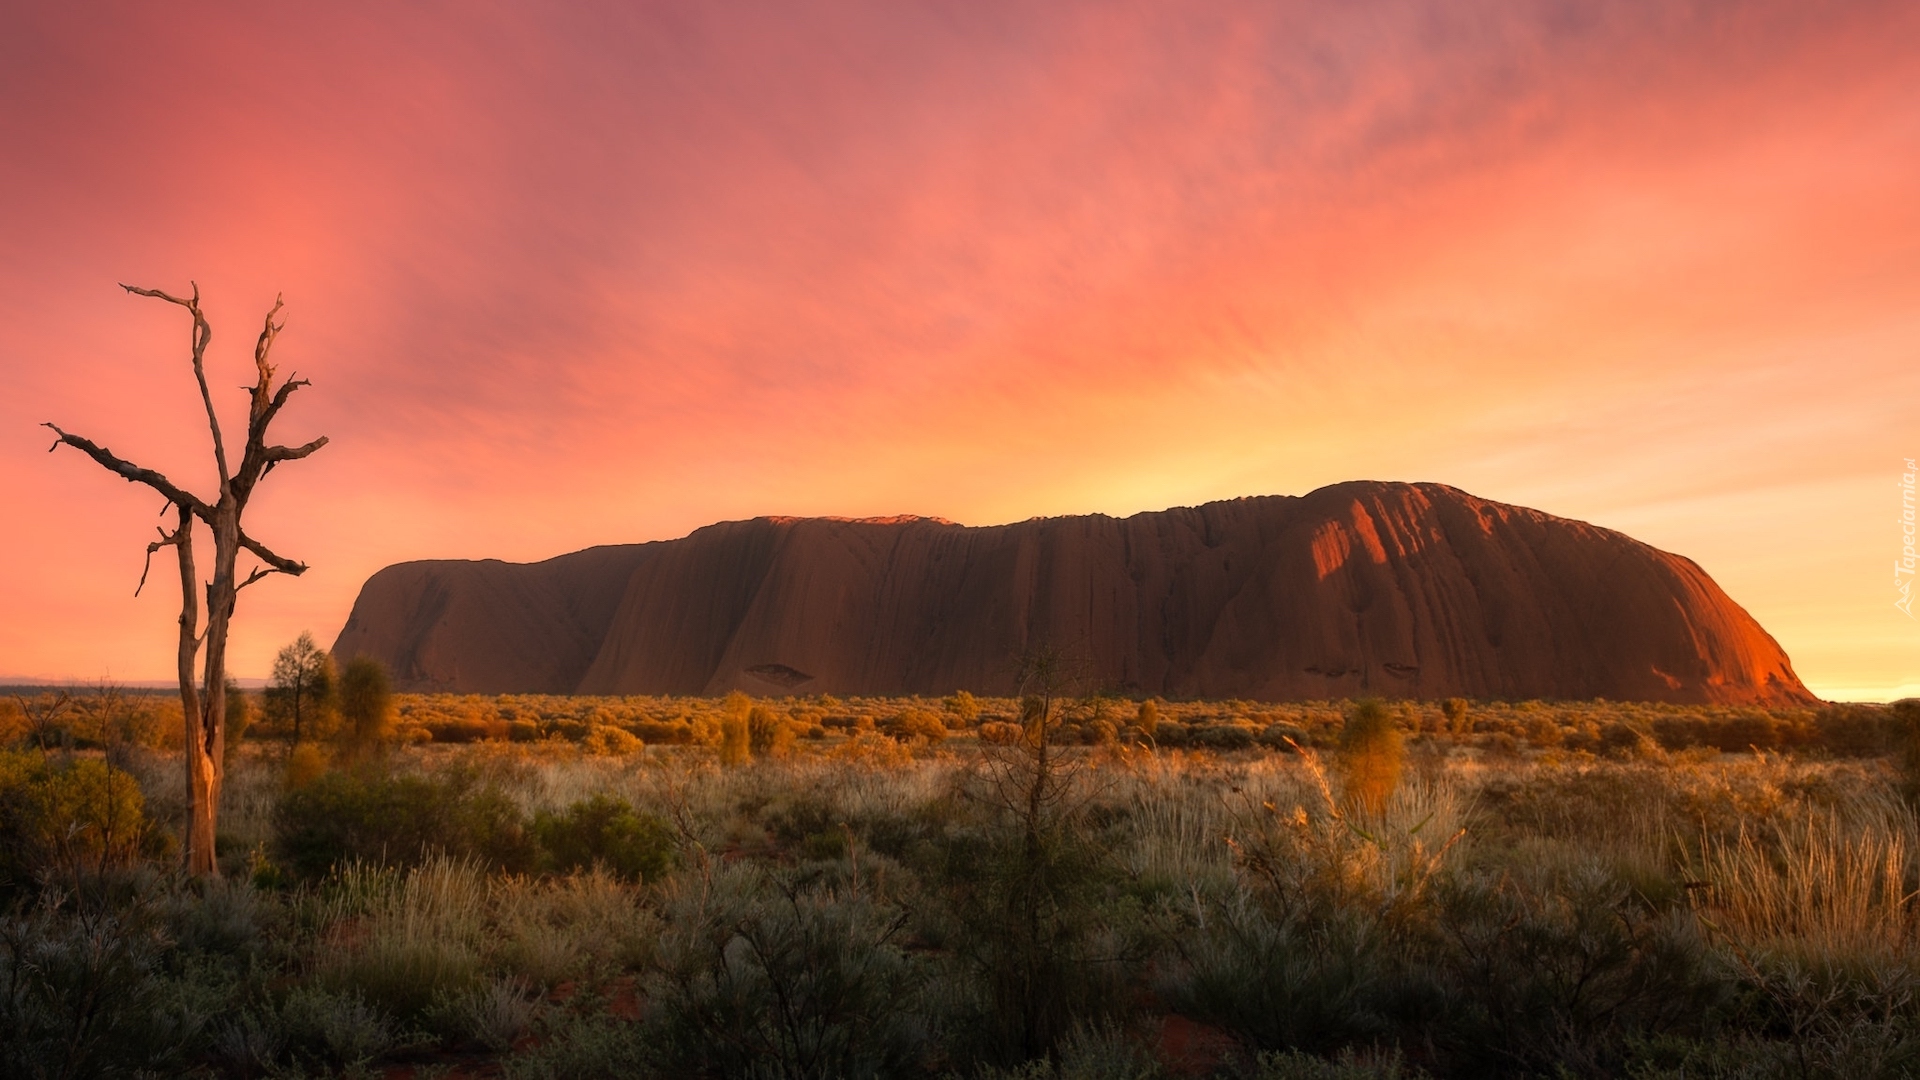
pixel 1400 590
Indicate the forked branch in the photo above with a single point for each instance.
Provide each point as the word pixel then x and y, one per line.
pixel 128 471
pixel 167 539
pixel 202 335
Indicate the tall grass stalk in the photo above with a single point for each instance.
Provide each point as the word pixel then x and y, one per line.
pixel 1835 885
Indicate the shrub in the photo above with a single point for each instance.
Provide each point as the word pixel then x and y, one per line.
pixel 607 741
pixel 379 817
pixel 239 719
pixel 1852 731
pixel 768 734
pixel 1455 710
pixel 1000 733
pixel 366 704
pixel 664 732
pixel 89 996
pixel 13 723
pixel 331 1028
pixel 736 737
pixel 1371 755
pixel 1147 718
pixel 608 832
pixel 466 729
pixel 1283 736
pixel 1906 729
pixel 1229 737
pixel 790 981
pixel 81 815
pixel 916 725
pixel 964 708
pixel 1623 740
pixel 305 764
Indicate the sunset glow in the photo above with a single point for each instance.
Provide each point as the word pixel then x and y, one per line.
pixel 607 274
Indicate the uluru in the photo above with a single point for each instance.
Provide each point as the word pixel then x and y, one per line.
pixel 1401 590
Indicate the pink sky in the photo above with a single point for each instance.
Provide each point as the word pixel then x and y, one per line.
pixel 575 276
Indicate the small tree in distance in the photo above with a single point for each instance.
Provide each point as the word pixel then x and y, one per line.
pixel 366 705
pixel 300 693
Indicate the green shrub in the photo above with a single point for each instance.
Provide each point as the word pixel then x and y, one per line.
pixel 764 978
pixel 330 1028
pixel 87 994
pixel 80 815
pixel 606 831
pixel 584 1048
pixel 366 705
pixel 384 818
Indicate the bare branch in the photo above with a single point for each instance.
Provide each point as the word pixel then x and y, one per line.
pixel 260 551
pixel 167 539
pixel 258 573
pixel 292 453
pixel 264 416
pixel 130 472
pixel 202 336
pixel 263 407
pixel 192 304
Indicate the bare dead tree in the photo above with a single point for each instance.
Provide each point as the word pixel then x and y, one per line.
pixel 204 707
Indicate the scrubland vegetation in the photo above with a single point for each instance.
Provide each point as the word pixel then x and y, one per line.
pixel 533 886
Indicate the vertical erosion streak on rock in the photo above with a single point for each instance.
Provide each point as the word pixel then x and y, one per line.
pixel 1415 590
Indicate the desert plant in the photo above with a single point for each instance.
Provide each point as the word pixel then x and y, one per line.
pixel 330 1028
pixel 736 737
pixel 239 719
pixel 419 936
pixel 1371 755
pixel 963 707
pixel 916 725
pixel 1147 718
pixel 300 694
pixel 605 740
pixel 764 977
pixel 606 831
pixel 365 703
pixel 769 735
pixel 66 818
pixel 395 818
pixel 84 993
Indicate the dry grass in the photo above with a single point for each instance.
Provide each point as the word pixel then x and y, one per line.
pixel 1819 884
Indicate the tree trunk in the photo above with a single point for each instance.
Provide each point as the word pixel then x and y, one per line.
pixel 201 809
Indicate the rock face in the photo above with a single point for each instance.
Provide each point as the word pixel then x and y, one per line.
pixel 1399 590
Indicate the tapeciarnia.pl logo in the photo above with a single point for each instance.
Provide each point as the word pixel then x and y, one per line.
pixel 1903 566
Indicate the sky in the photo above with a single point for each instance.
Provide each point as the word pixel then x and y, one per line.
pixel 576 274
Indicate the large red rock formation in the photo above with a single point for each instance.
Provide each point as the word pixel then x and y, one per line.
pixel 1400 590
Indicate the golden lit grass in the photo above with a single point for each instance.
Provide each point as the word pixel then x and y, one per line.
pixel 1830 884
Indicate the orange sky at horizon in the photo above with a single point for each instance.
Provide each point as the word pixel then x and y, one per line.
pixel 583 274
